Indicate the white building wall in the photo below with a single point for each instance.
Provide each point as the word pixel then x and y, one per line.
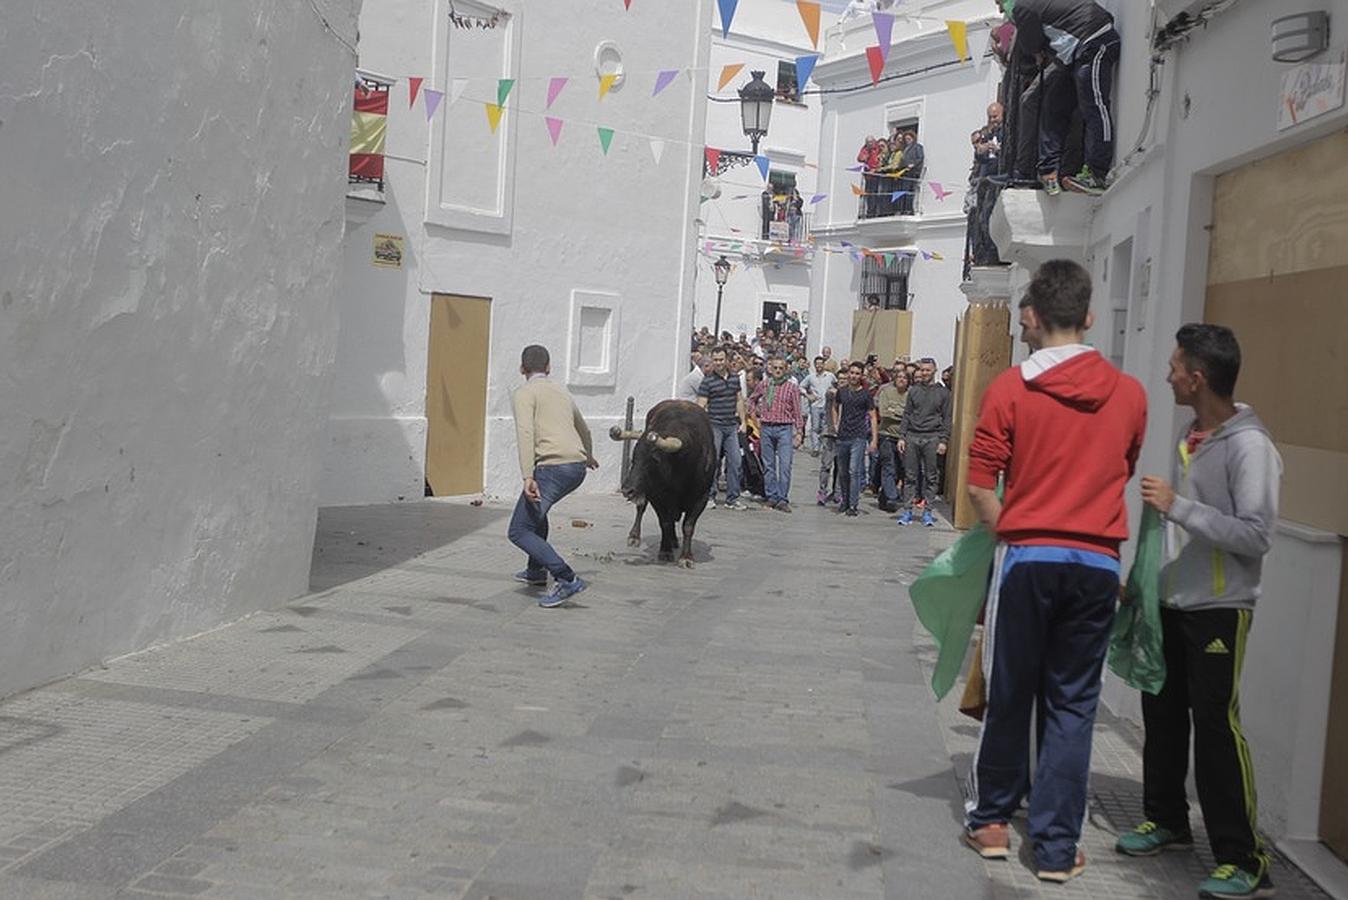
pixel 951 102
pixel 764 33
pixel 168 254
pixel 574 220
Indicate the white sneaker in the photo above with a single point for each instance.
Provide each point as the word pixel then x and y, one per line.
pixel 712 503
pixel 736 505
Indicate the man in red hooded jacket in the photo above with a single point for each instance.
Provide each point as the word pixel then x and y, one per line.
pixel 1065 428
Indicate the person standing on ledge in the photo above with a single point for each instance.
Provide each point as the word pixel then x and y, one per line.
pixel 555 450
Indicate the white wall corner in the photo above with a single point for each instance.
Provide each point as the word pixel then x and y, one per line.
pixel 592 349
pixel 1030 227
pixel 988 285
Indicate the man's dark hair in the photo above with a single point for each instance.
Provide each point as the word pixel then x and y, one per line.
pixel 1060 295
pixel 927 360
pixel 858 366
pixel 1214 351
pixel 535 358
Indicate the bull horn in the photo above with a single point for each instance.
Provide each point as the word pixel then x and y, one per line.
pixel 618 434
pixel 667 444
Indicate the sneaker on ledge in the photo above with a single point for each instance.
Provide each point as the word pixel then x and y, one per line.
pixel 1148 839
pixel 562 591
pixel 1086 182
pixel 534 578
pixel 1049 181
pixel 1233 881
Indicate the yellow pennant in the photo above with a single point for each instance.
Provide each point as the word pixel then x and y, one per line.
pixel 728 73
pixel 494 112
pixel 606 85
pixel 959 36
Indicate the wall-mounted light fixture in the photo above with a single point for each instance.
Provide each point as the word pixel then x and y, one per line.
pixel 1301 36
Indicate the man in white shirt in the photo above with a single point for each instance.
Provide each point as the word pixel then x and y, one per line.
pixel 689 384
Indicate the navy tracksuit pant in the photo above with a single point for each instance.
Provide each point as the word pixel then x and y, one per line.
pixel 1086 85
pixel 1045 635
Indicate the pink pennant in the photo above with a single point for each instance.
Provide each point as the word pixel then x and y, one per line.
pixel 413 88
pixel 555 129
pixel 627 4
pixel 939 190
pixel 554 88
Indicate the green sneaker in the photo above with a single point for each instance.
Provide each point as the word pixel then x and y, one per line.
pixel 1149 839
pixel 1230 881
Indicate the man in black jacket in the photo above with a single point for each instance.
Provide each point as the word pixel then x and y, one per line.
pixel 926 435
pixel 1080 36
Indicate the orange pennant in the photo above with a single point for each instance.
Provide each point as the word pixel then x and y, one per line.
pixel 728 73
pixel 809 14
pixel 606 84
pixel 858 190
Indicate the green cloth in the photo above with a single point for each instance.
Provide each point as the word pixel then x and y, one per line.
pixel 949 595
pixel 1136 647
pixel 773 384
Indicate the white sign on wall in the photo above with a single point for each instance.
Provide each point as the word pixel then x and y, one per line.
pixel 1311 90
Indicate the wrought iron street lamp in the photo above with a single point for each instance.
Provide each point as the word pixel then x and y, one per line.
pixel 721 269
pixel 756 99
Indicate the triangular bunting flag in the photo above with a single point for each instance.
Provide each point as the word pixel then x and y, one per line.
pixel 846 244
pixel 804 69
pixel 727 15
pixel 606 84
pixel 713 160
pixel 809 14
pixel 627 4
pixel 857 189
pixel 763 163
pixel 456 89
pixel 856 168
pixel 939 190
pixel 728 73
pixel 664 80
pixel 555 89
pixel 959 36
pixel 657 150
pixel 605 139
pixel 817 198
pixel 433 99
pixel 494 111
pixel 413 88
pixel 503 88
pixel 876 58
pixel 884 31
pixel 926 255
pixel 897 194
pixel 554 129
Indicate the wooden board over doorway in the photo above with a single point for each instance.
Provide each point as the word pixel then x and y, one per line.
pixel 456 394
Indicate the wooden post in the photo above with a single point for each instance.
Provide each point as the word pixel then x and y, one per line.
pixel 983 354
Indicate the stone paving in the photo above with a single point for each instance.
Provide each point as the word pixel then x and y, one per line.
pixel 418 727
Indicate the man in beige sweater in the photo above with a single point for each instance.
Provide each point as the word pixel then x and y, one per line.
pixel 555 450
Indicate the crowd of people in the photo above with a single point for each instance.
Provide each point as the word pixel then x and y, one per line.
pixel 891 166
pixel 878 429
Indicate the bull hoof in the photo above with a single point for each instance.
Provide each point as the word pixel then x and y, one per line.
pixel 686 563
pixel 633 540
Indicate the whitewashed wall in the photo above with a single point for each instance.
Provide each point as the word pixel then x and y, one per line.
pixel 572 220
pixel 168 252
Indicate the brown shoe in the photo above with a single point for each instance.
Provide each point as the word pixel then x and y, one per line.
pixel 1078 867
pixel 991 841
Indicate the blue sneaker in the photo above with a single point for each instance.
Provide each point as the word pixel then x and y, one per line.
pixel 563 590
pixel 905 517
pixel 928 519
pixel 527 577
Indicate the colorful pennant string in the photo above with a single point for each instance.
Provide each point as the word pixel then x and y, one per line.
pixel 433 99
pixel 728 73
pixel 605 138
pixel 413 88
pixel 809 14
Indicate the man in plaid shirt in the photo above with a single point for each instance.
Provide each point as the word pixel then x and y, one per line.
pixel 775 402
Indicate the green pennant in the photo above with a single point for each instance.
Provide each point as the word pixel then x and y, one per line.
pixel 503 88
pixel 605 138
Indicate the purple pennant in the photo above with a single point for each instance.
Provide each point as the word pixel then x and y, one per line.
pixel 884 32
pixel 664 80
pixel 433 99
pixel 804 69
pixel 727 15
pixel 855 168
pixel 554 128
pixel 816 198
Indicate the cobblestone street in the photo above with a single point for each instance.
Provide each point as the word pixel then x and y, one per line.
pixel 760 726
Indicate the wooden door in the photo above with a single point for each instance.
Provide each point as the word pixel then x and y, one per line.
pixel 456 394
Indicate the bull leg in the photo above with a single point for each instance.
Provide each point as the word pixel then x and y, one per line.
pixel 689 526
pixel 667 539
pixel 634 536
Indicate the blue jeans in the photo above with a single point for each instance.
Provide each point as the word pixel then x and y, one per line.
pixel 726 439
pixel 777 452
pixel 889 470
pixel 529 524
pixel 816 426
pixel 851 469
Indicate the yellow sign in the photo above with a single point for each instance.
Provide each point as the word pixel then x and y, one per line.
pixel 388 251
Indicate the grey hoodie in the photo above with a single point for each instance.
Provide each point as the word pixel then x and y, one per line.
pixel 1222 521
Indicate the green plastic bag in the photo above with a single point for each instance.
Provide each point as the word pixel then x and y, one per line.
pixel 1136 651
pixel 949 595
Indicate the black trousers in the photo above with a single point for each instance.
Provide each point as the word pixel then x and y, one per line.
pixel 919 466
pixel 1204 651
pixel 1087 87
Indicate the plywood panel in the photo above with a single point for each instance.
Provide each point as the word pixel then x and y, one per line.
pixel 888 333
pixel 1334 787
pixel 985 354
pixel 456 394
pixel 1315 488
pixel 1285 214
pixel 1293 332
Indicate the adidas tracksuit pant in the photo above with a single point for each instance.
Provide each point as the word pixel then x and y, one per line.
pixel 1045 633
pixel 1204 651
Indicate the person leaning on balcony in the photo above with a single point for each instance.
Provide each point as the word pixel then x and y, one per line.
pixel 913 161
pixel 1080 35
pixel 872 157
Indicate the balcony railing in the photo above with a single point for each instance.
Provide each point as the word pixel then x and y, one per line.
pixel 879 202
pixel 781 226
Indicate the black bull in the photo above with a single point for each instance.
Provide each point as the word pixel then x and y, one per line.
pixel 673 466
